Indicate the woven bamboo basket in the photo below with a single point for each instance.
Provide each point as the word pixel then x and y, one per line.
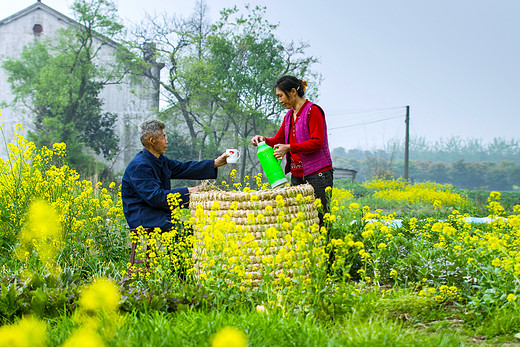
pixel 257 212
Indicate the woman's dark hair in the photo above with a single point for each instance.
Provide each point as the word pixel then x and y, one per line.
pixel 287 83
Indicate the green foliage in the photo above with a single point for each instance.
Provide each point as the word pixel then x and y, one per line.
pixel 41 295
pixel 358 189
pixel 503 176
pixel 500 323
pixel 466 164
pixel 221 76
pixel 444 150
pixel 10 301
pixel 479 199
pixel 454 148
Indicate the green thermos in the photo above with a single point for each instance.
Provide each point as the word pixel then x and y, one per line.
pixel 271 165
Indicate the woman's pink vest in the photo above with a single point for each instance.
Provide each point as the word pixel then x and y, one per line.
pixel 311 162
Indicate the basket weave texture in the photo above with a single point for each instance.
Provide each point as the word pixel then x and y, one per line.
pixel 262 225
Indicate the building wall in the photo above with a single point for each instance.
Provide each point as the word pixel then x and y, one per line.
pixel 132 101
pixel 13 37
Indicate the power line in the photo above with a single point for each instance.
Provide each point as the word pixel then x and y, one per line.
pixel 370 110
pixel 364 123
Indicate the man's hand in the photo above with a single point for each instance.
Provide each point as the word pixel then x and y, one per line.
pixel 257 139
pixel 222 160
pixel 193 190
pixel 280 150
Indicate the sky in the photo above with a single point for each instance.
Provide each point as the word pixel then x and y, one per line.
pixel 456 63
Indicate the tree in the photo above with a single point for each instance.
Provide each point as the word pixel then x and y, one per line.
pixel 339 151
pixel 438 172
pixel 248 59
pixel 219 83
pixel 59 80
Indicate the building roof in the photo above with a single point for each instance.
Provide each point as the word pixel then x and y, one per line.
pixel 58 15
pixel 39 6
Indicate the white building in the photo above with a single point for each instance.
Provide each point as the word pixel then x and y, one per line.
pixel 132 101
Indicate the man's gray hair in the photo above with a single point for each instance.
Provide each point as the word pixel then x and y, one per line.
pixel 150 128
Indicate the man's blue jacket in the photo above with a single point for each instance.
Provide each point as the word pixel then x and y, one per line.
pixel 146 185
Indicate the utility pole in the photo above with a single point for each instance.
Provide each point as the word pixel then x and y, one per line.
pixel 406 143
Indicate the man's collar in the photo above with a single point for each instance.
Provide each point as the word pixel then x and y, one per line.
pixel 150 155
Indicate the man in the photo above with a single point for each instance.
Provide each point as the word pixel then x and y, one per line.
pixel 146 181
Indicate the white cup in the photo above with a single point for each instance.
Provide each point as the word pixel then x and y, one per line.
pixel 233 155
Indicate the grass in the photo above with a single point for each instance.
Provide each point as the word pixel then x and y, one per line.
pixel 378 317
pixel 196 328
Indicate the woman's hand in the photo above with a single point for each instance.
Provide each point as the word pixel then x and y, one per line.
pixel 280 150
pixel 257 139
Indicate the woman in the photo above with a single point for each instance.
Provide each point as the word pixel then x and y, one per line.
pixel 303 137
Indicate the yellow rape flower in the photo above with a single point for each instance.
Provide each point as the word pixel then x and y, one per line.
pixel 329 217
pixel 354 207
pixel 215 205
pixel 364 255
pixel 229 337
pixel 496 262
pixel 494 195
pixel 85 337
pixel 27 332
pixel 280 202
pixel 281 217
pixel 271 232
pixel 60 149
pixel 41 232
pixel 101 295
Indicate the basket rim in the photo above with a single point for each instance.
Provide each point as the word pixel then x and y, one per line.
pixel 269 194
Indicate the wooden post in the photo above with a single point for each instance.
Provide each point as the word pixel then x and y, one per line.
pixel 407 143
